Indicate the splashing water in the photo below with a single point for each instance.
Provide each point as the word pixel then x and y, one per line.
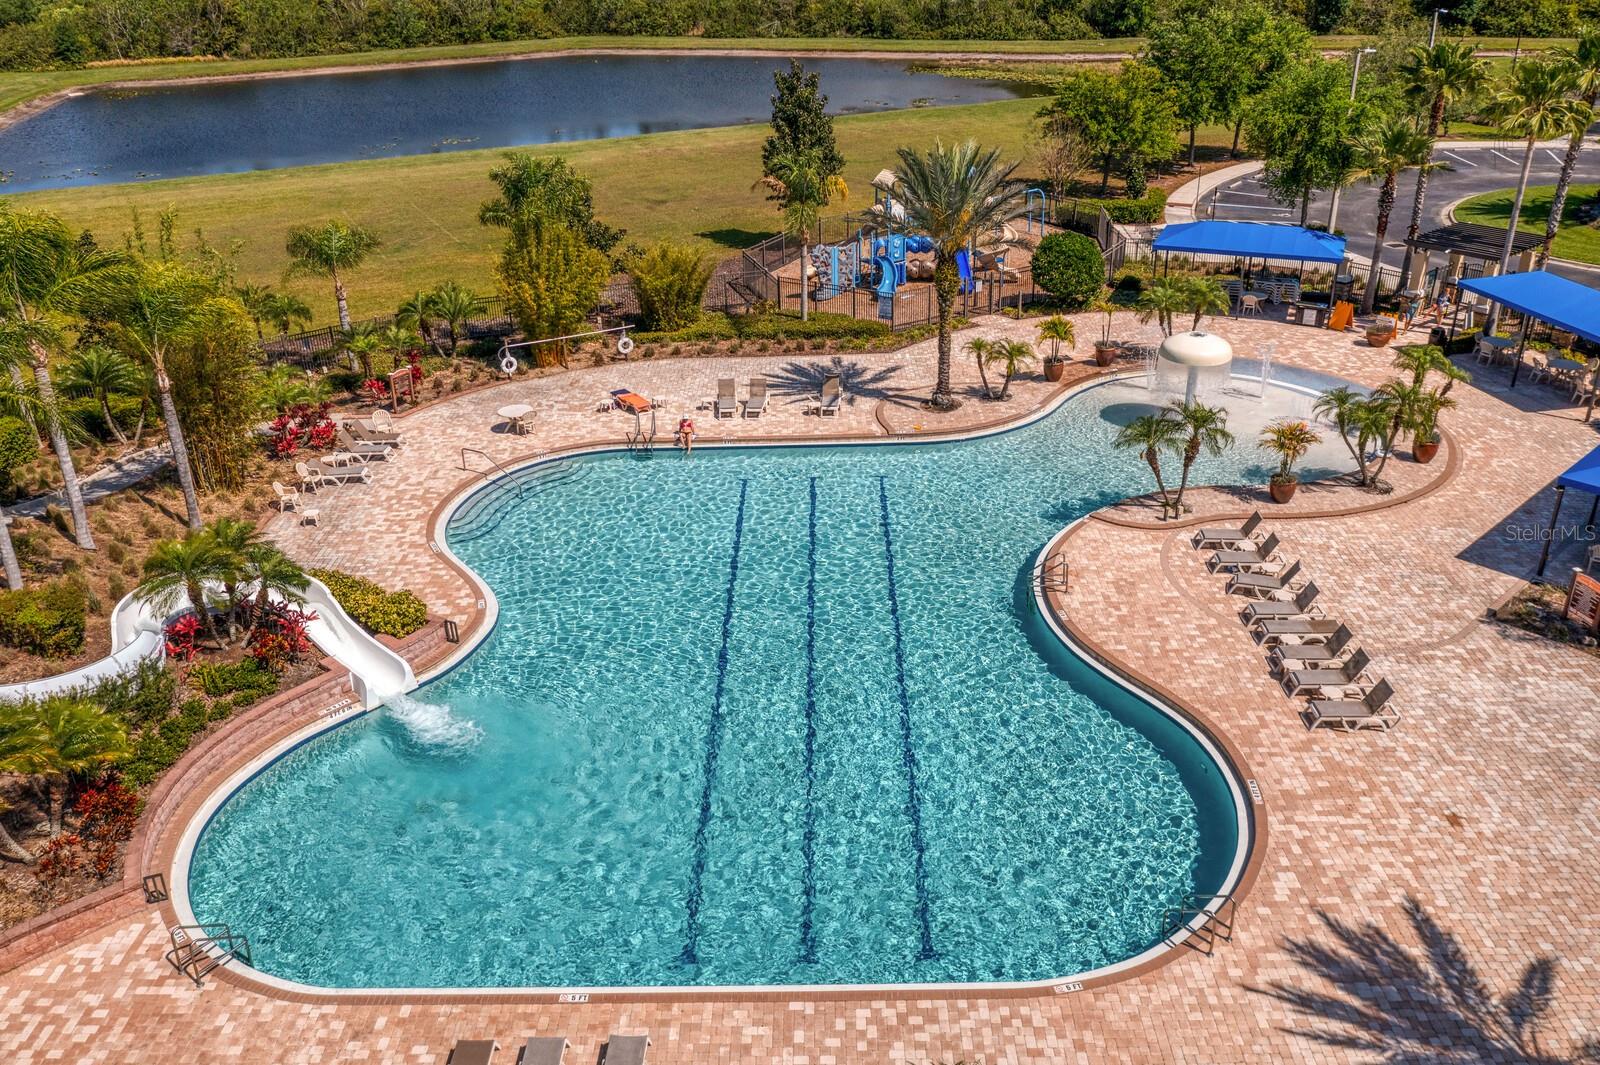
pixel 433 725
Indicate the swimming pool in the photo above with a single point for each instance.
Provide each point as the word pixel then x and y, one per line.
pixel 759 716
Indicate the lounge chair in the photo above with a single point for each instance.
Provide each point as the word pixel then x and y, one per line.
pixel 758 398
pixel 1295 655
pixel 626 1050
pixel 1302 605
pixel 1245 557
pixel 832 395
pixel 341 474
pixel 1350 672
pixel 312 478
pixel 1310 630
pixel 288 498
pixel 1371 711
pixel 727 402
pixel 542 1050
pixel 363 450
pixel 472 1052
pixel 370 433
pixel 1222 536
pixel 1264 585
pixel 625 399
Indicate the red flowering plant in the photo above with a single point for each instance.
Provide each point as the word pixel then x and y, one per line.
pixel 301 425
pixel 61 858
pixel 414 360
pixel 107 816
pixel 181 636
pixel 282 637
pixel 375 389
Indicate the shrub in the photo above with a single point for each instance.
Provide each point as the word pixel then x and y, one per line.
pixel 245 676
pixel 1146 209
pixel 670 281
pixel 397 614
pixel 18 446
pixel 159 747
pixel 45 621
pixel 140 697
pixel 1069 267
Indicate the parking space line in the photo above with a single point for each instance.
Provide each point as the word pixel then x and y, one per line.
pixel 1503 155
pixel 1459 159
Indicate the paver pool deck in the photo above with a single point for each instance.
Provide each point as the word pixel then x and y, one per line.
pixel 1422 893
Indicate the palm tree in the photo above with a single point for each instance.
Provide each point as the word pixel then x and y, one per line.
pixel 1434 78
pixel 1015 356
pixel 1584 64
pixel 101 373
pixel 1152 434
pixel 285 311
pixel 414 313
pixel 1159 301
pixel 235 540
pixel 1381 153
pixel 22 751
pixel 1375 424
pixel 454 305
pixel 272 573
pixel 398 340
pixel 363 342
pixel 283 386
pixel 1535 104
pixel 255 299
pixel 1205 429
pixel 1203 296
pixel 955 196
pixel 980 349
pixel 325 250
pixel 1423 359
pixel 76 737
pixel 176 569
pixel 45 275
pixel 1057 329
pixel 799 181
pixel 1342 406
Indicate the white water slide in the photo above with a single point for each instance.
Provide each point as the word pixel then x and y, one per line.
pixel 376 673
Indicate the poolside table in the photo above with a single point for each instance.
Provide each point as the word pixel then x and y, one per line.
pixel 514 415
pixel 340 458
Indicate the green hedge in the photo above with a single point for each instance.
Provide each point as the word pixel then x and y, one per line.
pixel 141 697
pixel 46 621
pixel 824 325
pixel 397 614
pixel 1151 207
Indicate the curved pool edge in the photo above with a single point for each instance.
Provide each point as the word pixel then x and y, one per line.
pixel 1250 824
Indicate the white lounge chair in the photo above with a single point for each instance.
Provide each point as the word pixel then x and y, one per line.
pixel 757 403
pixel 727 402
pixel 832 396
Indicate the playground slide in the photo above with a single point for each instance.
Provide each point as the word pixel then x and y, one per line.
pixel 886 279
pixel 964 264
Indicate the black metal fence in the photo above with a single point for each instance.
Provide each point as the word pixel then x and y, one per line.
pixel 320 349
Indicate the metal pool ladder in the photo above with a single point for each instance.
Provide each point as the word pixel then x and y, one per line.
pixel 1049 575
pixel 1216 926
pixel 199 948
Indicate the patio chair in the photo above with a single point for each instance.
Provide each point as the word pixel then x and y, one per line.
pixel 1264 585
pixel 1249 303
pixel 1224 536
pixel 382 422
pixel 1370 711
pixel 366 431
pixel 1271 631
pixel 1245 557
pixel 1302 605
pixel 727 402
pixel 472 1052
pixel 1349 672
pixel 1288 656
pixel 312 478
pixel 543 1050
pixel 832 395
pixel 287 497
pixel 625 1050
pixel 758 398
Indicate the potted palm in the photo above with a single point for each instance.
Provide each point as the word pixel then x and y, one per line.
pixel 1106 349
pixel 1423 419
pixel 1056 329
pixel 1289 440
pixel 1380 332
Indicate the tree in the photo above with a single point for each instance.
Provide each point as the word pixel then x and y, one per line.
pixel 1534 103
pixel 1150 435
pixel 216 377
pixel 179 569
pixel 670 282
pixel 362 342
pixel 802 187
pixel 1127 119
pixel 800 123
pixel 1187 47
pixel 1119 18
pixel 45 275
pixel 415 312
pixel 271 573
pixel 549 187
pixel 1381 153
pixel 1070 267
pixel 234 541
pixel 1258 46
pixel 1583 62
pixel 1203 429
pixel 1060 152
pixel 330 249
pixel 255 298
pixel 1423 359
pixel 454 305
pixel 980 348
pixel 953 195
pixel 1362 422
pixel 76 737
pixel 100 373
pixel 1434 78
pixel 551 278
pixel 1160 301
pixel 1301 127
pixel 397 340
pixel 1057 330
pixel 285 311
pixel 1014 356
pixel 1202 296
pixel 22 753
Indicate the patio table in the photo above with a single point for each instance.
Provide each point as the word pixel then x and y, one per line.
pixel 339 458
pixel 513 414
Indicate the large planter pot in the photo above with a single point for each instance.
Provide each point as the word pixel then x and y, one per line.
pixel 1379 338
pixel 1106 353
pixel 1282 491
pixel 1054 368
pixel 1424 450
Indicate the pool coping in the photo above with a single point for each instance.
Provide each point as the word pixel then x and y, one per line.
pixel 1249 851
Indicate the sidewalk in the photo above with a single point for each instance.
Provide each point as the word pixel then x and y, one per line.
pixel 114 476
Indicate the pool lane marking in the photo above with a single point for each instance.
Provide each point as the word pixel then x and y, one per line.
pixel 808 839
pixel 908 753
pixel 697 870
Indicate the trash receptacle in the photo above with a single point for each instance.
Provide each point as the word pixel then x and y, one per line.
pixel 1438 336
pixel 1343 286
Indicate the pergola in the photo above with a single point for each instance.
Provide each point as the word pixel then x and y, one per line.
pixel 1460 241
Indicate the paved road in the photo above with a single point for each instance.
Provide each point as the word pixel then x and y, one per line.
pixel 1472 171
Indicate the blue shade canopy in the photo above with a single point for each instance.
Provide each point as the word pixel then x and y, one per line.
pixel 1262 240
pixel 1584 474
pixel 1564 304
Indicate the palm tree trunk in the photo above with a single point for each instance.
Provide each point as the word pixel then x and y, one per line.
pixel 111 422
pixel 1558 205
pixel 805 310
pixel 10 848
pixel 180 453
pixel 1154 459
pixel 1369 297
pixel 1183 481
pixel 138 427
pixel 983 375
pixel 58 441
pixel 197 600
pixel 1511 228
pixel 1435 120
pixel 8 555
pixel 1005 386
pixel 27 412
pixel 945 282
pixel 344 307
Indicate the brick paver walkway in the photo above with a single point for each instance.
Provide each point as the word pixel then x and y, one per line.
pixel 1422 890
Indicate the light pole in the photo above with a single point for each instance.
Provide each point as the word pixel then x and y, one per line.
pixel 1333 208
pixel 1433 31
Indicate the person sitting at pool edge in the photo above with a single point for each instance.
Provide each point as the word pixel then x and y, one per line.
pixel 686 435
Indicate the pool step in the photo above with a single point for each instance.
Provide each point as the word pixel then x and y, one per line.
pixel 484 515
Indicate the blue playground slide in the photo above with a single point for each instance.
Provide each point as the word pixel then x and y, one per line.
pixel 965 266
pixel 887 281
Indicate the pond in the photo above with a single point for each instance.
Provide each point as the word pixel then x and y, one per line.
pixel 101 137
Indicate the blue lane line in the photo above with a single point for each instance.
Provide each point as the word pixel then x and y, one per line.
pixel 908 752
pixel 697 871
pixel 808 841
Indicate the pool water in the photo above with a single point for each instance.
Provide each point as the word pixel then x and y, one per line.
pixel 758 716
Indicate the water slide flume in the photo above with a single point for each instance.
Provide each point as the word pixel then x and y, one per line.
pixel 377 674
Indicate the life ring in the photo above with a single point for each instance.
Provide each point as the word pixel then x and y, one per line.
pixel 625 345
pixel 508 364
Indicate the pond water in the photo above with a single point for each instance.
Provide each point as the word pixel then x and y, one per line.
pixel 228 127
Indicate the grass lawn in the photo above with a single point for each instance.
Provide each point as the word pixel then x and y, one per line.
pixel 692 185
pixel 1573 240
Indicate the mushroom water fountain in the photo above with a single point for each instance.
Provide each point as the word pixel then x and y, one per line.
pixel 1193 363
